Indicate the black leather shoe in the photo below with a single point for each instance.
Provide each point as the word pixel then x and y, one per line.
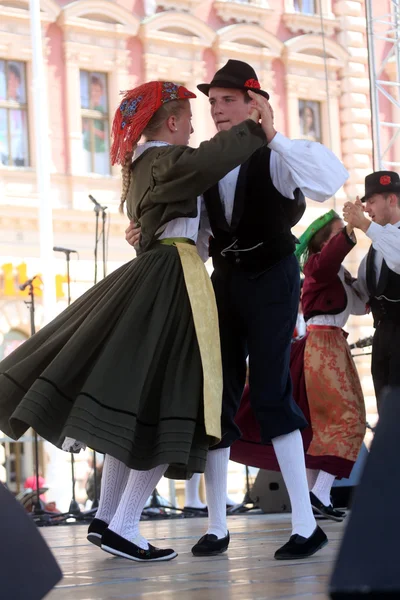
pixel 193 509
pixel 301 547
pixel 326 511
pixel 209 545
pixel 96 529
pixel 118 546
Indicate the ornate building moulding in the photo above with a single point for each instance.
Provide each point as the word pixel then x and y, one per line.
pixel 250 40
pixel 179 5
pixel 253 11
pixel 173 44
pixel 307 51
pixel 15 32
pixel 170 68
pixel 18 11
pixel 101 16
pixel 304 86
pixel 176 28
pixel 299 23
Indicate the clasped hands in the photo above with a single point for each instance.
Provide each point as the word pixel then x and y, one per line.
pixel 353 214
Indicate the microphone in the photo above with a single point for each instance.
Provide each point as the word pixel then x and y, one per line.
pixel 66 250
pixel 23 286
pixel 93 200
pixel 97 205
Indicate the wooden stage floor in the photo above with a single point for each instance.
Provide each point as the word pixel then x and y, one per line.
pixel 246 572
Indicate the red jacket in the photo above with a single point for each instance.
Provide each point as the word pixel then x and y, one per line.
pixel 323 291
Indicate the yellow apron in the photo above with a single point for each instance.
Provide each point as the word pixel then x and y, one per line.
pixel 205 317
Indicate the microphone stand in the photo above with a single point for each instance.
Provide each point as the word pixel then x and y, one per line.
pixel 39 515
pixel 97 209
pixel 74 506
pixel 247 503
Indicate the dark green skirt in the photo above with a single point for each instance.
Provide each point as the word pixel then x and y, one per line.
pixel 119 370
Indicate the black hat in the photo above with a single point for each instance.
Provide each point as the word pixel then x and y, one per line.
pixel 381 182
pixel 235 74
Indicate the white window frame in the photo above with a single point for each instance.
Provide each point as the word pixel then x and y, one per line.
pixel 95 39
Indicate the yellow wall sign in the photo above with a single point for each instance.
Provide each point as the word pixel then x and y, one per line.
pixel 12 276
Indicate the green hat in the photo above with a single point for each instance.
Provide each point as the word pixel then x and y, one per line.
pixel 301 251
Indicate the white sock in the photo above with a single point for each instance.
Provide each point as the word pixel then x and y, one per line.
pixel 192 497
pixel 113 481
pixel 216 476
pixel 312 475
pixel 138 488
pixel 290 455
pixel 322 487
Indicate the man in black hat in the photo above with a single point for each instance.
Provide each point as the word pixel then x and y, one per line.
pixel 379 272
pixel 256 283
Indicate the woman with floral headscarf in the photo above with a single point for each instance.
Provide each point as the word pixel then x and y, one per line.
pixel 133 367
pixel 326 385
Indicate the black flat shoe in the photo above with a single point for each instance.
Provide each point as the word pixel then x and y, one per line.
pixel 193 509
pixel 301 547
pixel 118 546
pixel 96 529
pixel 326 511
pixel 209 545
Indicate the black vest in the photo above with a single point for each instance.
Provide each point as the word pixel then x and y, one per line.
pixel 260 232
pixel 385 293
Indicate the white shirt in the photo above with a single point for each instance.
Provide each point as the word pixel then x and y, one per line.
pixel 302 164
pixel 386 241
pixel 182 227
pixel 355 306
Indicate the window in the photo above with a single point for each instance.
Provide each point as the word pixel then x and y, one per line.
pixel 94 111
pixel 310 120
pixel 307 7
pixel 13 114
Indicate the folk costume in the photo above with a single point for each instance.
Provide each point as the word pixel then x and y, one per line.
pixel 132 368
pixel 325 380
pixel 256 276
pixel 379 283
pixel 75 378
pixel 256 283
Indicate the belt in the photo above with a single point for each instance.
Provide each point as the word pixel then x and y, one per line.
pixel 175 240
pixel 327 328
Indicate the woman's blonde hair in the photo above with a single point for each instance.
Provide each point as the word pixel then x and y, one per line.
pixel 172 108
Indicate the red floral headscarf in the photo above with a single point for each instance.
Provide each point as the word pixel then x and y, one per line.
pixel 135 111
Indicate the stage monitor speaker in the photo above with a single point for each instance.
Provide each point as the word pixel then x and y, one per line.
pixel 28 570
pixel 269 492
pixel 368 561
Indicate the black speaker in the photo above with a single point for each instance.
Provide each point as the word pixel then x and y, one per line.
pixel 270 493
pixel 28 569
pixel 367 565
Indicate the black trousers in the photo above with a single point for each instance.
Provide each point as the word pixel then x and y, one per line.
pixel 257 317
pixel 385 365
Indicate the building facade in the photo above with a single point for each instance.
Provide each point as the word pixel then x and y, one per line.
pixel 311 55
